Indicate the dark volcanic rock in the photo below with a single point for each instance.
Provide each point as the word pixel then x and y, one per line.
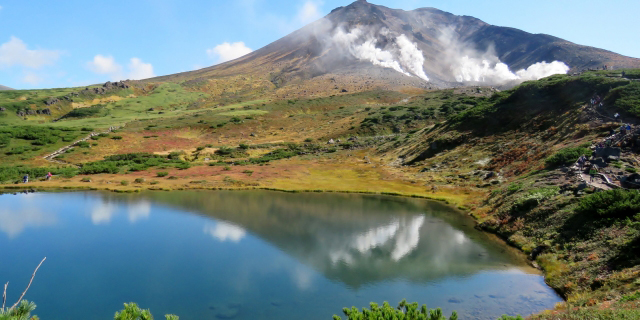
pixel 51 101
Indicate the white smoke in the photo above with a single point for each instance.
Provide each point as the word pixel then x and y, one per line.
pixel 401 54
pixel 543 69
pixel 469 65
pixel 411 57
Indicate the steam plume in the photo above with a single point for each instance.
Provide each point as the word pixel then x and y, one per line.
pixel 469 65
pixel 399 54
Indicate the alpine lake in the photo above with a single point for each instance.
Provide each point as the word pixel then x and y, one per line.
pixel 256 255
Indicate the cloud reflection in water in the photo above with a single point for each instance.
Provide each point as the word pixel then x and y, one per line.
pixel 224 231
pixel 104 210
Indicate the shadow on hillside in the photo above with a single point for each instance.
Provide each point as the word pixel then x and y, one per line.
pixel 628 256
pixel 582 227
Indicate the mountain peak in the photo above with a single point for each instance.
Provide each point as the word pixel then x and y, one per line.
pixel 364 46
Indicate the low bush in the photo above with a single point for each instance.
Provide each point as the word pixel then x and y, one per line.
pixel 567 156
pixel 83 144
pixel 617 203
pixel 406 311
pixel 162 174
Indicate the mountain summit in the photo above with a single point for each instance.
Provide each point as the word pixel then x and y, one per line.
pixel 364 46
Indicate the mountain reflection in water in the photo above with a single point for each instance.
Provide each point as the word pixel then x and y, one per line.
pixel 353 239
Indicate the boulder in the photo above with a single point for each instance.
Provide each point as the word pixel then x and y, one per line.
pixel 632 181
pixel 489 175
pixel 51 101
pixel 2 109
pixel 599 162
pixel 607 151
pixel 331 141
pixel 612 158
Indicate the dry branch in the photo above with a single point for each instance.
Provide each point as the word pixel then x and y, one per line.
pixel 29 285
pixel 4 295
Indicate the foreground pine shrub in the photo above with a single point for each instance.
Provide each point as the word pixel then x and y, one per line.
pixel 406 311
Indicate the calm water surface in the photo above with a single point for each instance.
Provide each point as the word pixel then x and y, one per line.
pixel 255 255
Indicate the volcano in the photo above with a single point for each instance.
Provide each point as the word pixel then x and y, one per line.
pixel 364 46
pixel 4 88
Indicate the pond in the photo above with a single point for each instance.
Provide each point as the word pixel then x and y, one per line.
pixel 255 255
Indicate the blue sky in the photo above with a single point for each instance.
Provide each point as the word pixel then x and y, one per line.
pixel 45 44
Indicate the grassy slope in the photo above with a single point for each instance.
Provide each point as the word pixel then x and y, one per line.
pixel 508 132
pixel 532 206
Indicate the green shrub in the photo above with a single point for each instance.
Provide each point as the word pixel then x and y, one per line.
pixel 17 150
pixel 631 297
pixel 226 168
pixel 162 174
pixel 99 167
pixel 506 317
pixel 86 179
pixel 175 155
pixel 139 180
pixel 514 187
pixel 406 311
pixel 567 156
pixel 173 178
pixel 84 112
pixel 617 203
pixel 224 151
pixel 183 166
pixel 124 182
pixel 20 312
pixel 83 144
pixel 631 169
pixel 133 312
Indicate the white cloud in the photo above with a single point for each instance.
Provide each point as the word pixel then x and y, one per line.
pixel 15 53
pixel 105 65
pixel 32 78
pixel 139 70
pixel 224 231
pixel 228 51
pixel 309 12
